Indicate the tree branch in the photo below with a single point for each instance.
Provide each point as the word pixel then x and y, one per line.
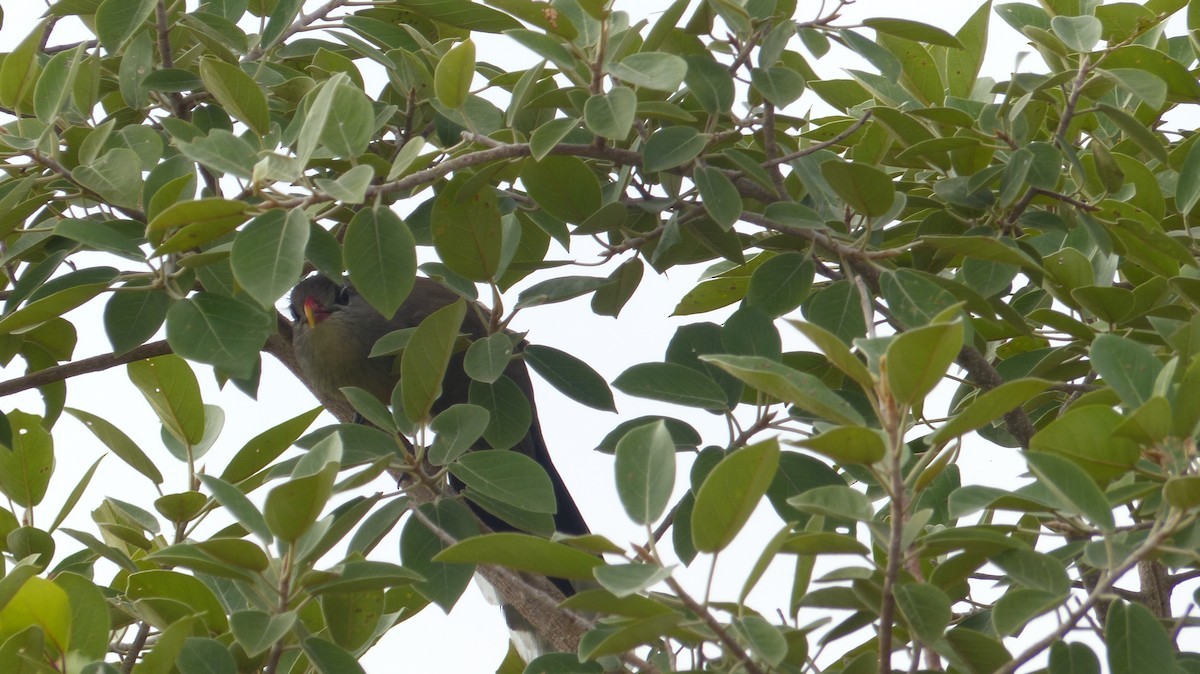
pixel 85 366
pixel 1102 586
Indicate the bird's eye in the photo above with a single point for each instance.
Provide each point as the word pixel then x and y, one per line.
pixel 343 296
pixel 295 314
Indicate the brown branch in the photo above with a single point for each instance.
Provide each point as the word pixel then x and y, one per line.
pixel 804 152
pixel 164 38
pixel 899 511
pixel 298 25
pixel 85 366
pixel 982 373
pixel 135 648
pixel 743 658
pixel 495 152
pixel 1085 68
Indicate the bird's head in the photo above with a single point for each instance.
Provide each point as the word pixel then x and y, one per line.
pixel 315 299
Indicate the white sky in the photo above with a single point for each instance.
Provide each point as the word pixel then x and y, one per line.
pixel 473 637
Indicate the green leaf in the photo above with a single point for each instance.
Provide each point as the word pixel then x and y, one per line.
pixel 132 317
pixel 467 230
pixel 673 146
pixel 1075 488
pixel 350 187
pixel 508 477
pixel 458 427
pixel 989 406
pixel 173 595
pixel 918 359
pixel 563 186
pixel 671 383
pixel 781 283
pixel 711 83
pixel 611 115
pixel 609 641
pixel 559 289
pixel 1182 492
pixel 42 604
pixel 864 188
pixel 623 282
pixel 55 83
pixel 237 93
pixel 220 331
pixel 204 656
pixel 349 122
pixel 115 176
pixel 119 444
pixel 445 579
pixel 316 118
pixel 836 501
pixel 730 494
pixel 117 21
pixel 778 84
pixel 1034 570
pixel 1137 641
pixel 265 447
pixel 26 466
pixel 213 215
pixel 245 512
pixel 1012 612
pixel 425 359
pixel 848 445
pixel 1087 435
pixel 268 255
pixel 913 30
pixel 1073 658
pixel 1080 33
pixel 452 78
pixel 650 69
pixel 547 136
pixel 684 436
pixel 170 386
pixel 257 631
pixel 624 580
pixel 645 466
pixel 222 151
pixel 49 307
pixel 925 608
pixel 1151 143
pixel 1129 367
pixel 571 376
pixel 789 385
pixel 837 353
pixel 522 552
pixel 488 357
pixel 293 507
pixel 329 658
pixel 380 257
pixel 721 199
pixel 511 413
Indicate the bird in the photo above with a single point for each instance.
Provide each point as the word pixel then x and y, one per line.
pixel 334 329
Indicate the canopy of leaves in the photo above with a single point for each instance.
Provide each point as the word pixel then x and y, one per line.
pixel 974 266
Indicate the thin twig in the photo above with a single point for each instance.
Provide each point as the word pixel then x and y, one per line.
pixel 1102 586
pixel 298 25
pixel 849 131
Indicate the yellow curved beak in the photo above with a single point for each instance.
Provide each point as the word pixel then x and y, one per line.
pixel 308 313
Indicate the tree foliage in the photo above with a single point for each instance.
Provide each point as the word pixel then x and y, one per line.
pixel 976 266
